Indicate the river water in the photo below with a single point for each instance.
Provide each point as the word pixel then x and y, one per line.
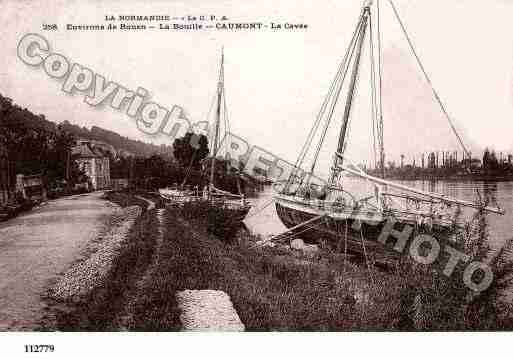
pixel 266 222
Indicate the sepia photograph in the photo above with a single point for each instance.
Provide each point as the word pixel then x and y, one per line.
pixel 337 170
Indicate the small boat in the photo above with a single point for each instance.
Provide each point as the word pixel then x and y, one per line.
pixel 179 195
pixel 237 205
pixel 331 213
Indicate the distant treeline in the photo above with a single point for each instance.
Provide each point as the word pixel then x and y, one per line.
pixel 446 165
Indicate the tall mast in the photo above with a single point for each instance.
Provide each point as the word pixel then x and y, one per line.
pixel 352 86
pixel 220 88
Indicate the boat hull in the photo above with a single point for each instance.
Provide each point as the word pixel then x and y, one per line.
pixel 232 208
pixel 236 210
pixel 349 232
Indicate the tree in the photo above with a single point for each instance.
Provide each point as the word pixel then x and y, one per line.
pixel 190 150
pixel 35 145
pixel 490 162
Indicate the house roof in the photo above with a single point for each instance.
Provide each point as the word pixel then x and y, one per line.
pixel 85 150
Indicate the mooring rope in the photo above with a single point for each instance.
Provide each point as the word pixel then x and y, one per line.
pixel 365 254
pixel 258 210
pixel 345 247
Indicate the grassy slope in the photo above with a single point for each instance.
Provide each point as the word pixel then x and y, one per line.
pixel 270 289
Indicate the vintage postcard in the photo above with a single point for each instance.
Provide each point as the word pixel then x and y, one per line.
pixel 240 166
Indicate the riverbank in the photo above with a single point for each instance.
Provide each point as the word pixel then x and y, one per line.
pixel 168 251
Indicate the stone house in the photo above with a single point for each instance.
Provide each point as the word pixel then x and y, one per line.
pixel 94 162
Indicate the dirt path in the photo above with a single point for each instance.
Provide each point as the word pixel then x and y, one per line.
pixel 36 247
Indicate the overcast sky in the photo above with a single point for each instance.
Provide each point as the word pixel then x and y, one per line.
pixel 276 81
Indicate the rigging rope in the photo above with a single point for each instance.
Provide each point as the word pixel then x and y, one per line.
pixel 346 63
pixel 353 89
pixel 435 93
pixel 210 133
pixel 226 118
pixel 187 173
pixel 374 114
pixel 313 130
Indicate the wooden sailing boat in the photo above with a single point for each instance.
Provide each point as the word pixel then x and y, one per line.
pixel 235 203
pixel 331 213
